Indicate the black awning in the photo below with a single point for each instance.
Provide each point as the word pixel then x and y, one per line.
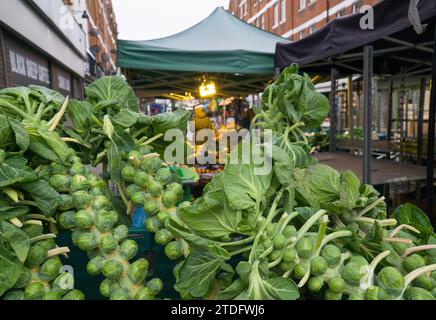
pixel 340 43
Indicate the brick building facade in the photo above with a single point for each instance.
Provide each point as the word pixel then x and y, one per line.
pixel 294 19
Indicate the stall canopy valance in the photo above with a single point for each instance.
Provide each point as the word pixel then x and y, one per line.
pixel 340 43
pixel 221 44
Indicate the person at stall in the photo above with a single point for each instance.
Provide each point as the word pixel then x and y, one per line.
pixel 201 121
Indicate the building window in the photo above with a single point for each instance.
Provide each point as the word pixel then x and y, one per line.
pixel 245 8
pixel 262 22
pixel 340 13
pixel 302 4
pixel 356 7
pixel 283 19
pixel 276 15
pixel 258 23
pixel 312 29
pixel 302 34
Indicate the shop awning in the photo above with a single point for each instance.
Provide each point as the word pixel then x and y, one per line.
pixel 340 43
pixel 222 46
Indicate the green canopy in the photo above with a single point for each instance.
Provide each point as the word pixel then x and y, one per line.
pixel 220 44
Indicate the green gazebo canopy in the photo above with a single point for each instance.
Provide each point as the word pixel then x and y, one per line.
pixel 223 48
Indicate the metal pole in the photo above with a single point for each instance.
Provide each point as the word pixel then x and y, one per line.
pixel 350 106
pixel 367 112
pixel 333 112
pixel 421 119
pixel 3 54
pixel 431 138
pixel 390 115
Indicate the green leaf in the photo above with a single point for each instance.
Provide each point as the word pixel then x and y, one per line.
pixel 126 118
pixel 114 160
pixel 232 291
pixel 18 240
pixel 122 139
pixel 284 162
pixel 415 217
pixel 6 133
pixel 197 273
pixel 211 216
pixel 81 116
pixel 112 92
pixel 44 195
pixel 56 144
pixel 10 268
pixel 318 109
pixel 21 136
pixel 349 192
pixel 12 171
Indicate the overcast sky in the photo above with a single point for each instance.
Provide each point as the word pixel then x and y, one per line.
pixel 151 19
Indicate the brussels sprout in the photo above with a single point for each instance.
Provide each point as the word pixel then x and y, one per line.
pixel 163 236
pixel 163 216
pixel 24 278
pixel 290 231
pixel 400 248
pixel 139 198
pixel 279 241
pixel 66 202
pixel 112 269
pixel 108 243
pixel 120 294
pixel 48 244
pixel 353 272
pixel 66 220
pixel 414 293
pixel 413 262
pixel 78 169
pixel 169 199
pixel 79 183
pixel 131 190
pixel 356 296
pixel 330 295
pixel 63 283
pixel 152 224
pixel 275 255
pixel 14 295
pixel 286 266
pixel 75 236
pixel 164 176
pixel 337 284
pixel 97 190
pixel 141 179
pixel 155 189
pixel 33 230
pixel 332 254
pixel 52 296
pixel 376 293
pixel 270 229
pixel 144 150
pixel 147 164
pixel 289 254
pixel 151 207
pixel 315 284
pixel 95 265
pixel 57 168
pixel 155 285
pixel 128 174
pixel 359 260
pixel 50 269
pixel 128 249
pixel 184 205
pixel 105 221
pixel 318 266
pixel 134 157
pixel 267 243
pixel 390 279
pixel 74 295
pixel 144 294
pixel 75 159
pixel 300 270
pixel 121 233
pixel 176 188
pixel 81 200
pixel 305 247
pixel 101 203
pixel 107 287
pixel 138 271
pixel 34 291
pixel 83 220
pixel 37 254
pixel 425 282
pixel 59 182
pixel 87 241
pixel 174 250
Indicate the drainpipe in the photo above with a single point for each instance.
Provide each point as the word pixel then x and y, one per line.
pixel 3 54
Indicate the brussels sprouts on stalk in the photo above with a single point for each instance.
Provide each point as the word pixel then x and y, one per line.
pixel 37 254
pixel 87 241
pixel 74 295
pixel 164 176
pixel 131 190
pixel 155 285
pixel 52 295
pixel 144 294
pixel 108 243
pixel 34 291
pixel 105 220
pixel 120 294
pixel 81 200
pixel 24 278
pixel 163 236
pixel 78 169
pixel 152 224
pixel 305 247
pixel 353 272
pixel 79 183
pixel 128 249
pixel 50 269
pixel 112 269
pixel 390 279
pixel 66 202
pixel 155 189
pixel 138 271
pixel 318 266
pixel 289 254
pixel 315 284
pixel 60 182
pixel 169 199
pixel 163 216
pixel 107 287
pixel 128 174
pixel 337 284
pixel 332 254
pixel 83 220
pixel 95 265
pixel 151 207
pixel 415 293
pixel 121 233
pixel 413 262
pixel 425 282
pixel 290 231
pixel 14 295
pixel 139 198
pixel 100 203
pixel 279 241
pixel 300 270
pixel 174 250
pixel 141 179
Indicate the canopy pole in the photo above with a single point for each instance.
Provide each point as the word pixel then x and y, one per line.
pixel 431 136
pixel 367 112
pixel 390 115
pixel 333 111
pixel 350 106
pixel 422 87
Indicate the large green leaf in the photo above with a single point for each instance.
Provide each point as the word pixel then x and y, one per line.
pixel 17 238
pixel 6 133
pixel 10 267
pixel 211 216
pixel 284 161
pixel 14 170
pixel 44 195
pixel 317 110
pixel 126 118
pixel 197 273
pixel 22 138
pixel 81 116
pixel 112 92
pixel 56 144
pixel 114 160
pixel 122 139
pixel 415 217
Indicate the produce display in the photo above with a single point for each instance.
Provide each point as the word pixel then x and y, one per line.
pixel 301 230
